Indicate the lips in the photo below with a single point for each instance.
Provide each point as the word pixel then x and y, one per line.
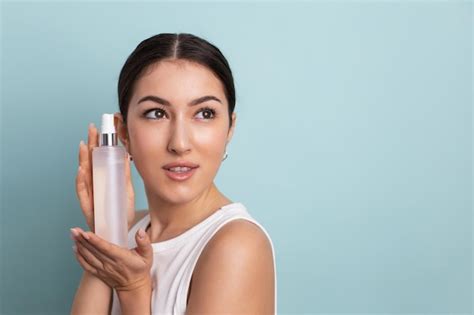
pixel 180 164
pixel 180 176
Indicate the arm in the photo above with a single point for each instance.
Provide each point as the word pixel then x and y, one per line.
pixel 234 273
pixel 92 297
pixel 137 301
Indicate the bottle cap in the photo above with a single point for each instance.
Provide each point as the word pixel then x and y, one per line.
pixel 108 136
pixel 108 123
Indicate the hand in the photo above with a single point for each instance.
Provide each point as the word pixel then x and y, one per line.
pixel 120 268
pixel 84 184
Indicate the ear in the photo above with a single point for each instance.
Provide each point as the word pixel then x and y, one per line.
pixel 231 131
pixel 122 132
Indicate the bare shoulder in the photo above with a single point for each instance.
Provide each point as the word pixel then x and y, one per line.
pixel 241 231
pixel 236 265
pixel 236 238
pixel 139 214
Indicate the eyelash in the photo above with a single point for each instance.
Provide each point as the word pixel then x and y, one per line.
pixel 162 109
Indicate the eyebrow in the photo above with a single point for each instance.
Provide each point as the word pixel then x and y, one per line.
pixel 162 101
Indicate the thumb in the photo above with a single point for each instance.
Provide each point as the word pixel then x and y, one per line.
pixel 144 247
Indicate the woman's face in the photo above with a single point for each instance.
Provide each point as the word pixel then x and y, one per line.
pixel 159 134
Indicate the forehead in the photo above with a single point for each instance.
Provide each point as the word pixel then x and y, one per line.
pixel 178 80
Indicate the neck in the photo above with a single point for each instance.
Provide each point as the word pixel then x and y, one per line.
pixel 169 219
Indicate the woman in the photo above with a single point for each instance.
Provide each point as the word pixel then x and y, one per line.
pixel 194 250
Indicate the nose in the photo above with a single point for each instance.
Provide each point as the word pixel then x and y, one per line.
pixel 179 139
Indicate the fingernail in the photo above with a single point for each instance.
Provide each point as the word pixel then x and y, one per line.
pixel 74 248
pixel 81 143
pixel 141 233
pixel 91 125
pixel 74 232
pixel 87 237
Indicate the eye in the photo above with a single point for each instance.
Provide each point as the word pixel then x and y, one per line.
pixel 209 112
pixel 158 113
pixel 156 116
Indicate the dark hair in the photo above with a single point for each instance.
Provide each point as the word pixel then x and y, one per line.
pixel 173 46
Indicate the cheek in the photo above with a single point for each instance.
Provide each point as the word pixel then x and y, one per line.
pixel 209 142
pixel 145 141
pixel 205 141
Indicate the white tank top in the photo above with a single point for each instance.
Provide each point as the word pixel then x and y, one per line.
pixel 174 259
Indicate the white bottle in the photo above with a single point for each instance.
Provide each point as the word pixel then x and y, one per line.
pixel 110 195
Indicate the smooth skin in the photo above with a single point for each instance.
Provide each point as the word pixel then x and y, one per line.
pixel 234 274
pixel 120 268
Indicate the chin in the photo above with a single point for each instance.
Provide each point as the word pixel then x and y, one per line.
pixel 178 194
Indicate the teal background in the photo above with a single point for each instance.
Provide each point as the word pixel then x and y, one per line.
pixel 352 145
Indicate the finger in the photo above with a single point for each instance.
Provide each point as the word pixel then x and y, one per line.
pixel 92 142
pixel 128 178
pixel 83 158
pixel 107 249
pixel 130 192
pixel 84 264
pixel 85 199
pixel 92 139
pixel 89 257
pixel 82 192
pixel 85 163
pixel 80 157
pixel 103 257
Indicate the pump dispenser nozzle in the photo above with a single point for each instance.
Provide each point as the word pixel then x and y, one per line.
pixel 108 136
pixel 108 123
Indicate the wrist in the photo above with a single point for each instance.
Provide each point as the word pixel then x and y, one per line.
pixel 137 300
pixel 139 285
